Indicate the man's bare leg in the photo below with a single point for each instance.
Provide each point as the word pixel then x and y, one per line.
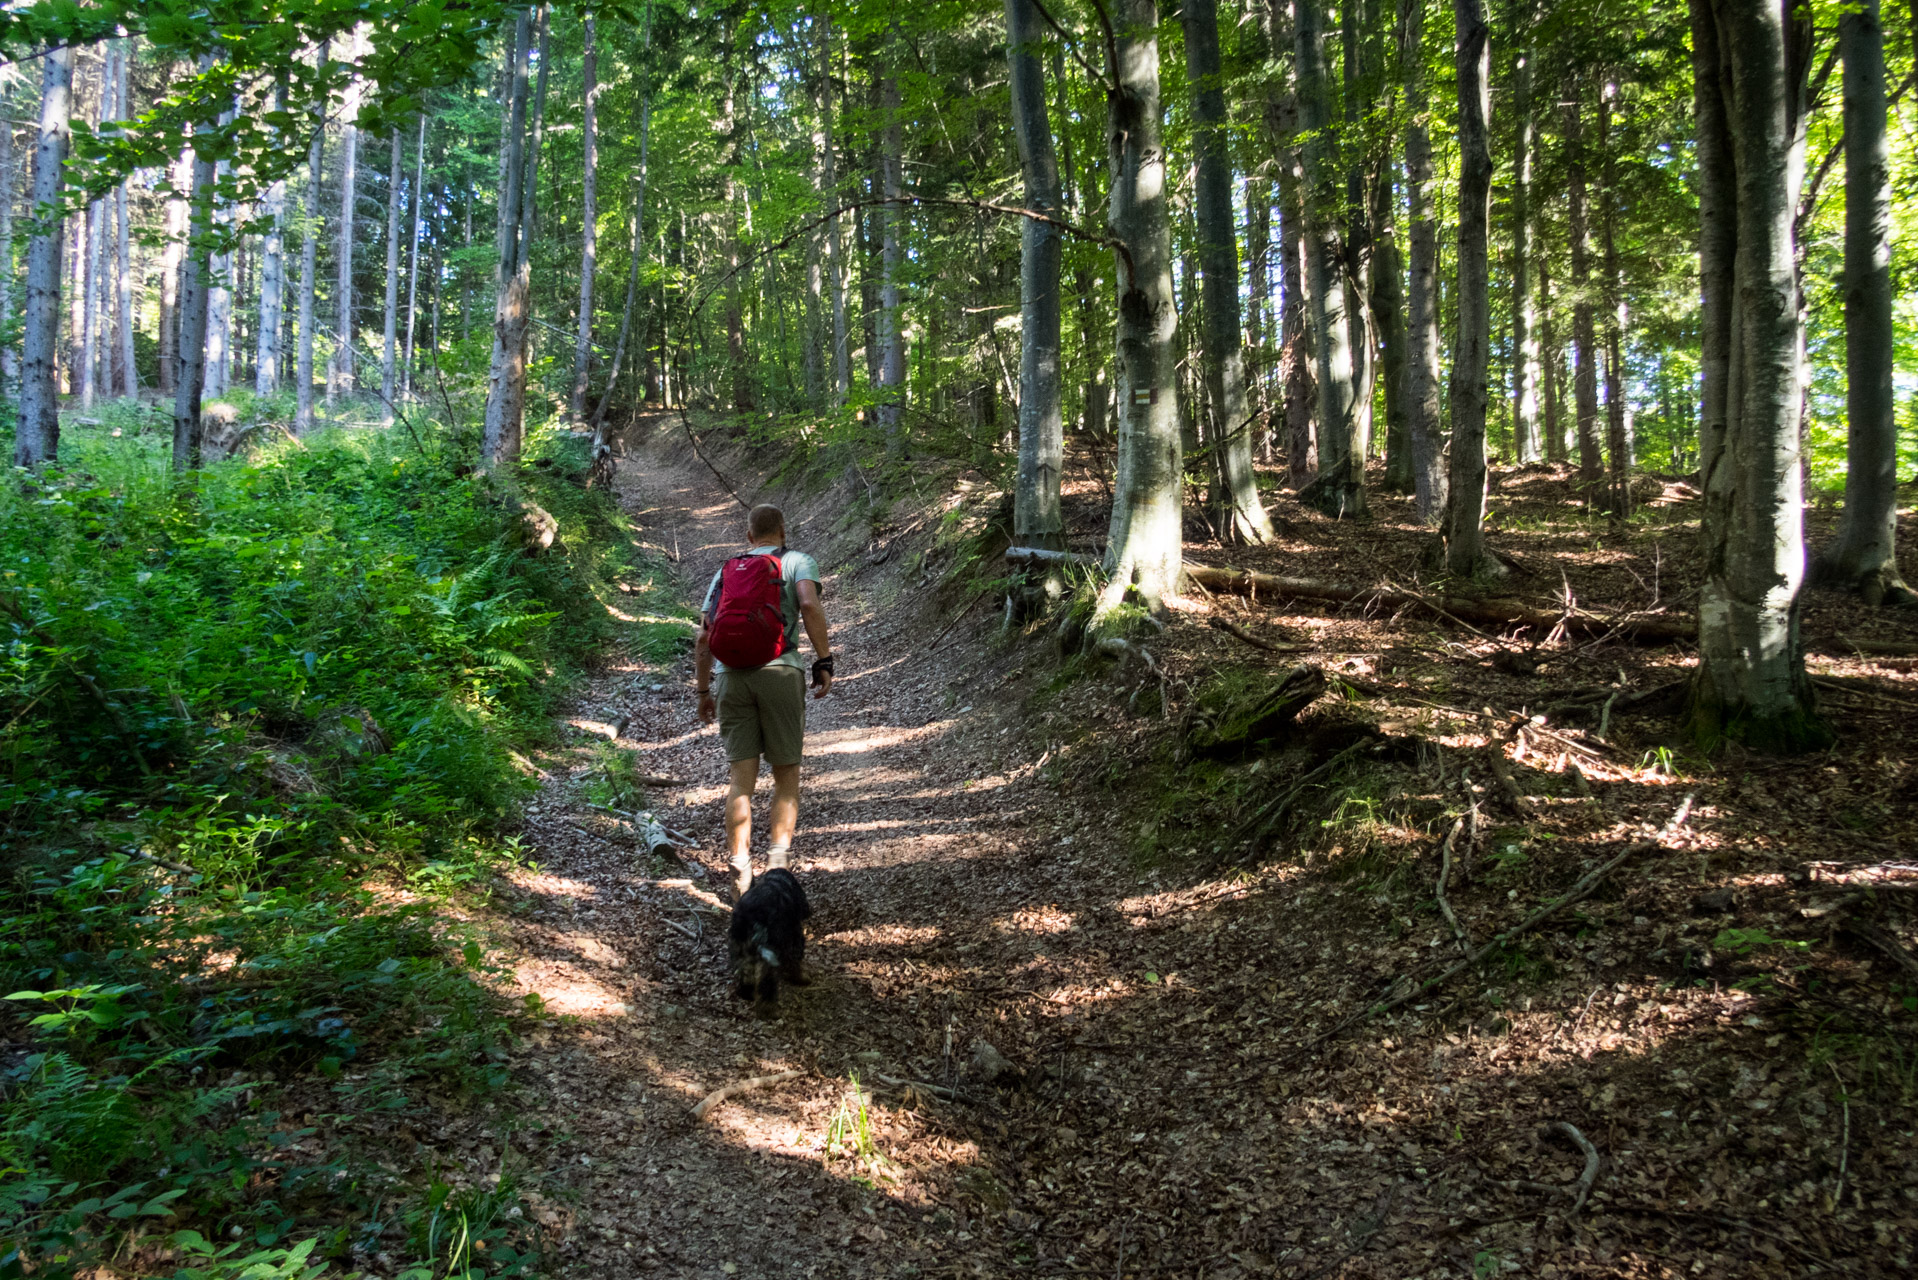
pixel 739 819
pixel 785 815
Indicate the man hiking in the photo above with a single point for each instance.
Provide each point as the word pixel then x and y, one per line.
pixel 749 633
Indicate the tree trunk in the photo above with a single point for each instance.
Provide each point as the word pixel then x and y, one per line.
pixel 90 344
pixel 835 227
pixel 179 179
pixel 1300 389
pixel 9 363
pixel 37 434
pixel 1591 461
pixel 188 379
pixel 1863 557
pixel 309 269
pixel 123 247
pixel 266 364
pixel 1618 414
pixel 1356 263
pixel 1258 291
pixel 1551 367
pixel 1421 394
pixel 1388 304
pixel 892 250
pixel 589 215
pixel 601 446
pixel 1525 429
pixel 1465 552
pixel 1238 486
pixel 1751 682
pixel 1144 546
pixel 1339 489
pixel 417 206
pixel 1036 517
pixel 506 395
pixel 390 313
pixel 219 290
pixel 340 370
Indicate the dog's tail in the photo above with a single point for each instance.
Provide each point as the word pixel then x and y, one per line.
pixel 762 944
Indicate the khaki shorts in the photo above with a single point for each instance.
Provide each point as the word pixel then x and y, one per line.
pixel 763 713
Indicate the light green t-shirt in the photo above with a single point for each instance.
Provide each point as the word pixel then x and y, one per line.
pixel 794 567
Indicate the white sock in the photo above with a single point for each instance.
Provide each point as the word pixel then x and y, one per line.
pixel 742 874
pixel 776 855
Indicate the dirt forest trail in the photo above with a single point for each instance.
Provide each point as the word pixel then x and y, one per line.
pixel 1162 1106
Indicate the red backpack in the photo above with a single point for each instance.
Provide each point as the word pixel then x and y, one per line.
pixel 749 624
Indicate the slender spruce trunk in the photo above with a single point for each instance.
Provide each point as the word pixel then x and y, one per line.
pixel 1466 555
pixel 179 181
pixel 341 369
pixel 36 440
pixel 1591 459
pixel 1863 557
pixel 1242 513
pixel 266 363
pixel 390 311
pixel 1421 394
pixel 1144 545
pixel 1339 489
pixel 589 216
pixel 416 206
pixel 1525 429
pixel 123 249
pixel 309 270
pixel 1618 413
pixel 1751 684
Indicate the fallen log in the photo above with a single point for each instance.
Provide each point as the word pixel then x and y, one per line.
pixel 1505 612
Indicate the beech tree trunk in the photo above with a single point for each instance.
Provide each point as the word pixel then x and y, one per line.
pixel 309 269
pixel 1036 517
pixel 1421 393
pixel 1551 366
pixel 36 440
pixel 1863 557
pixel 90 343
pixel 1339 489
pixel 1388 304
pixel 835 227
pixel 589 215
pixel 1238 486
pixel 219 292
pixel 1258 291
pixel 390 313
pixel 179 180
pixel 1591 460
pixel 1144 546
pixel 188 378
pixel 1525 426
pixel 601 446
pixel 506 395
pixel 1465 552
pixel 1751 685
pixel 892 253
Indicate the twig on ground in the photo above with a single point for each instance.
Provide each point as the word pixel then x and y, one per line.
pixel 1583 1189
pixel 680 928
pixel 1887 944
pixel 937 1090
pixel 719 1095
pixel 179 868
pixel 1844 1146
pixel 1241 633
pixel 1445 873
pixel 1408 991
pixel 1605 718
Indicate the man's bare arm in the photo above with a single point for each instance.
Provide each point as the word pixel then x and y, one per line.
pixel 813 614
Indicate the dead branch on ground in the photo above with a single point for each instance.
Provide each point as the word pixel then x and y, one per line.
pixel 719 1095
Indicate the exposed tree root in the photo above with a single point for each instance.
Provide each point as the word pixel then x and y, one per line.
pixel 733 1090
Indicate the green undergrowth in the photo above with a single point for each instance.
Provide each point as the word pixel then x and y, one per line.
pixel 260 730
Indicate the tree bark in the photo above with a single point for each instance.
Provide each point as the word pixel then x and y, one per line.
pixel 123 248
pixel 589 216
pixel 1388 305
pixel 189 377
pixel 9 363
pixel 309 269
pixel 1465 552
pixel 37 434
pixel 1751 683
pixel 340 370
pixel 1339 489
pixel 601 446
pixel 390 313
pixel 416 199
pixel 835 227
pixel 1591 460
pixel 1863 557
pixel 1618 414
pixel 1242 514
pixel 888 327
pixel 1258 291
pixel 1144 546
pixel 266 363
pixel 1036 517
pixel 1525 427
pixel 502 434
pixel 1551 365
pixel 1421 394
pixel 179 180
pixel 90 344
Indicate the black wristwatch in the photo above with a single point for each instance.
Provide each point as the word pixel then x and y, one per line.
pixel 821 666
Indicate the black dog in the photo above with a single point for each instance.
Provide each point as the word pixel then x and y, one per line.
pixel 768 938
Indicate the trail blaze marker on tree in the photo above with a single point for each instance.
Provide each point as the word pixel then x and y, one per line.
pixel 1146 397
